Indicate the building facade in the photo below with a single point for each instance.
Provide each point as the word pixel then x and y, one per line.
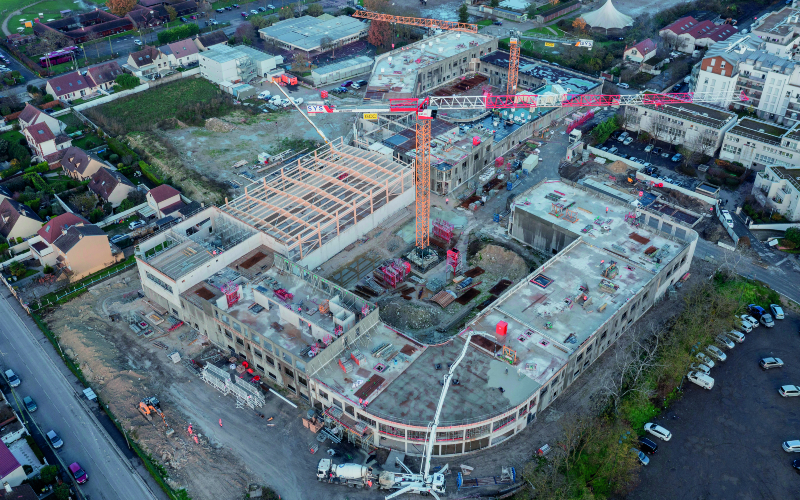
pixel 780 189
pixel 757 144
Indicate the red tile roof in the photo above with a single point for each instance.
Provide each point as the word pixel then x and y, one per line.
pixel 645 46
pixel 70 82
pixel 52 230
pixel 8 463
pixel 182 48
pixel 682 25
pixel 29 114
pixel 714 32
pixel 105 181
pixel 106 72
pixel 163 192
pixel 40 133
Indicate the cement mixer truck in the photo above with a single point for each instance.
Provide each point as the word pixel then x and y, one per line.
pixel 353 475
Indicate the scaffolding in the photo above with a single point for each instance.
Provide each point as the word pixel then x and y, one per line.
pixel 357 433
pixel 245 393
pixel 443 230
pixel 394 272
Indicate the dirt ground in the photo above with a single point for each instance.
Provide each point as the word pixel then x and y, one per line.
pixel 212 150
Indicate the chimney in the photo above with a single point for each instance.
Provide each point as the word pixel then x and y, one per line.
pixel 7 487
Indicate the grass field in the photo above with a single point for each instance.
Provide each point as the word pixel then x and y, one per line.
pixel 546 31
pixel 50 9
pixel 484 22
pixel 198 99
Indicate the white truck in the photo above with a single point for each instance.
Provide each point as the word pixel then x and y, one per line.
pixel 353 475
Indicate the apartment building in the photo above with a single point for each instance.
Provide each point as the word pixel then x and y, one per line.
pixel 693 126
pixel 687 34
pixel 223 63
pixel 780 32
pixel 757 144
pixel 780 187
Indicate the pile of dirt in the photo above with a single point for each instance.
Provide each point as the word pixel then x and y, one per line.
pixel 404 316
pixel 217 125
pixel 501 262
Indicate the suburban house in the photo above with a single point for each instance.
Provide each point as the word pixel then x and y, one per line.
pixel 204 42
pixel 11 470
pixel 56 226
pixel 79 164
pixel 17 220
pixel 43 142
pixel 21 492
pixel 69 86
pixel 687 34
pixel 148 17
pixel 103 75
pixel 641 52
pixel 4 193
pixel 147 61
pixel 110 186
pixel 180 53
pixel 164 200
pixel 32 115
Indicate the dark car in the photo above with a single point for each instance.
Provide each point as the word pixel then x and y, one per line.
pixel 262 9
pixel 235 6
pixel 220 11
pixel 615 135
pixel 347 83
pixel 229 7
pixel 647 445
pixel 361 83
pixel 796 465
pixel 657 151
pixel 498 23
pixel 244 14
pixel 676 87
pixel 756 311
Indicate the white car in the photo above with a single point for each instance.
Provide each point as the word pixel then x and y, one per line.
pixel 725 342
pixel 623 85
pixel 658 431
pixel 264 95
pixel 253 11
pixel 789 391
pixel 704 359
pixel 54 439
pixel 777 311
pixel 297 100
pixel 753 322
pixel 791 446
pixel 12 378
pixel 138 42
pixel 275 100
pixel 746 326
pixel 643 459
pixel 700 367
pixel 702 380
pixel 716 353
pixel 735 336
pixel 728 219
pixel 136 223
pixel 628 141
pixel 648 148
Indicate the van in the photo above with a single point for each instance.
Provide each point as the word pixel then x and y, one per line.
pixel 623 85
pixel 687 79
pixel 735 336
pixel 702 380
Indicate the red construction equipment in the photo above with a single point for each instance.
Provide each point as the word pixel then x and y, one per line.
pixel 231 291
pixel 452 259
pixel 443 230
pixel 513 66
pixel 395 272
pixel 283 294
pixel 417 21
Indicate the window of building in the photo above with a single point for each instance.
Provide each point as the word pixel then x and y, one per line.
pixel 228 334
pixel 391 430
pixel 450 435
pixel 603 335
pixel 158 282
pixel 580 357
pixel 417 435
pixel 272 376
pixel 291 388
pixel 257 353
pixel 479 431
pixel 323 395
pixel 499 424
pixel 237 327
pixel 270 361
pixel 367 420
pixel 302 381
pixel 240 341
pixel 260 367
pixel 288 371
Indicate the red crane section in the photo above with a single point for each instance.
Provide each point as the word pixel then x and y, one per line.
pixel 417 21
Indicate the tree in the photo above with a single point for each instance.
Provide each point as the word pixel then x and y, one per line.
pixel 315 10
pixel 245 33
pixel 53 40
pixel 126 81
pixel 121 7
pixel 85 202
pixel 272 20
pixel 17 269
pixel 300 62
pixel 579 24
pixel 463 14
pixel 494 3
pixel 286 12
pixel 379 33
pixel 326 42
pixel 259 22
pixel 173 14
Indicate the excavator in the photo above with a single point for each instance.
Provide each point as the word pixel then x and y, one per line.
pixel 150 405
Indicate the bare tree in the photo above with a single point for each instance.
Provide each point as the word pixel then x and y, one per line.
pixel 633 360
pixel 326 42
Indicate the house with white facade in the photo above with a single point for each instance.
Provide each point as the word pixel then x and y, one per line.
pixel 780 188
pixel 223 63
pixel 180 53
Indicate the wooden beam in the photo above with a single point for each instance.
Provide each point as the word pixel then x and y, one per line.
pixel 296 199
pixel 245 214
pixel 366 162
pixel 350 171
pixel 333 180
pixel 317 190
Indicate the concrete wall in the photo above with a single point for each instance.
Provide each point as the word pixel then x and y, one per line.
pixel 611 157
pixel 540 234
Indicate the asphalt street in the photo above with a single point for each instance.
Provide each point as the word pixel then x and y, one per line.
pixel 726 442
pixel 25 350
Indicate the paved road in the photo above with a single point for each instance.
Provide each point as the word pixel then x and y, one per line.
pixel 726 442
pixel 111 476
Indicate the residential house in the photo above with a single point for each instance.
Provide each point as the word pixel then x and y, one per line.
pixel 84 249
pixel 21 492
pixel 687 34
pixel 758 144
pixel 110 186
pixel 779 189
pixel 641 52
pixel 32 115
pixel 164 200
pixel 180 53
pixel 72 85
pixel 185 8
pixel 80 28
pixel 17 220
pixel 42 244
pixel 104 75
pixel 4 193
pixel 79 164
pixel 693 126
pixel 43 142
pixel 144 17
pixel 205 42
pixel 11 471
pixel 147 61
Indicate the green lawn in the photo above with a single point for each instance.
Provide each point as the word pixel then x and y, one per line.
pixel 49 8
pixel 546 31
pixel 12 136
pixel 82 142
pixel 71 120
pixel 484 22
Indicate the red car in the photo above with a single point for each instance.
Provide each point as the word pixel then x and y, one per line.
pixel 78 473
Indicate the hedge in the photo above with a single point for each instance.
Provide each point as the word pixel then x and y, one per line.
pixel 149 174
pixel 178 33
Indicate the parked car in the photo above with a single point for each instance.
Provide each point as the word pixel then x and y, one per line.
pixel 264 95
pixel 613 150
pixel 136 223
pixel 753 322
pixel 355 86
pixel 641 456
pixel 220 11
pixel 657 151
pixel 795 463
pixel 498 23
pixel 253 11
pixel 270 7
pixel 768 363
pixel 633 158
pixel 117 238
pixel 628 140
pixel 728 220
pixel 647 445
pixel 658 431
pixel 665 155
pixel 138 42
pixel 716 353
pixel 623 85
pixel 700 367
pixel 735 336
pixel 725 342
pixel 362 82
pixel 244 14
pixel 789 391
pixel 678 157
pixel 615 134
pixel 701 379
pixel 54 439
pixel 78 473
pixel 676 87
pixel 766 320
pixel 30 404
pixel 184 20
pixel 704 359
pixel 791 446
pixel 262 9
pixel 12 378
pixel 297 100
pixel 756 311
pixel 648 148
pixel 746 326
pixel 777 311
pixel 347 83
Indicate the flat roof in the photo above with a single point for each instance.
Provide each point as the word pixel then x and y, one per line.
pixel 346 64
pixel 777 23
pixel 222 53
pixel 704 115
pixel 790 174
pixel 747 127
pixel 396 71
pixel 578 82
pixel 307 32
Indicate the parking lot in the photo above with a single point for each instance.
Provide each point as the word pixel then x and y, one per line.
pixel 667 169
pixel 726 442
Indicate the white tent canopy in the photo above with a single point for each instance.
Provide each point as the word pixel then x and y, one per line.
pixel 607 17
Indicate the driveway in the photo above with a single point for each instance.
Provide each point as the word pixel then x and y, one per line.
pixel 62 408
pixel 726 442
